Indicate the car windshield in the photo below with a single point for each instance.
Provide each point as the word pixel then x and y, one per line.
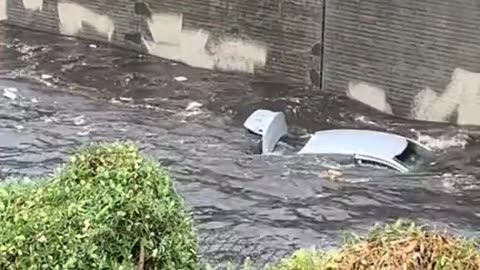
pixel 410 157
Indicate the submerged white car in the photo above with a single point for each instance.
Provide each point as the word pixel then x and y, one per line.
pixel 364 146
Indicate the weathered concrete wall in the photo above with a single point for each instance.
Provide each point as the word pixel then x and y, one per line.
pixel 415 58
pixel 272 38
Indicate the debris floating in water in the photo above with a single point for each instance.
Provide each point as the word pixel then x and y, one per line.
pixel 180 78
pixel 46 76
pixel 93 46
pixel 126 99
pixel 334 175
pixel 84 132
pixel 79 120
pixel 10 93
pixel 192 106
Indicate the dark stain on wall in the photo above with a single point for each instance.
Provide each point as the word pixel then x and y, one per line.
pixel 142 9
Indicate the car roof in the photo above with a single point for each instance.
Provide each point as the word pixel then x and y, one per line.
pixel 372 143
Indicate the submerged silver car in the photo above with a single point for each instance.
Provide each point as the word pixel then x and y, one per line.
pixel 364 146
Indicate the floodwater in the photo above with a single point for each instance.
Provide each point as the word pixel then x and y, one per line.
pixel 57 94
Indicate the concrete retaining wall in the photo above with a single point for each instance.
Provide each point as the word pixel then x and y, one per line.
pixel 269 38
pixel 413 58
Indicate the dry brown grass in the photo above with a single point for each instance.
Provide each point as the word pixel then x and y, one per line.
pixel 399 246
pixel 405 246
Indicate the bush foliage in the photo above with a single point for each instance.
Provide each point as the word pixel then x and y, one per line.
pixel 402 245
pixel 108 208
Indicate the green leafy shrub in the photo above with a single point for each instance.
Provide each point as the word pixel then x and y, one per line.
pixel 108 208
pixel 307 260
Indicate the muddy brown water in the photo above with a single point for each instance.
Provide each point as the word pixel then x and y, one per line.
pixel 71 92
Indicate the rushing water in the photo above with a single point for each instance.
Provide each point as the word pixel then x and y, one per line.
pixel 60 93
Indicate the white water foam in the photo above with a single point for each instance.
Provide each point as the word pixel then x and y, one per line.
pixel 444 141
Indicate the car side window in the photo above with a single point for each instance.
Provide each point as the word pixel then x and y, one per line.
pixel 371 163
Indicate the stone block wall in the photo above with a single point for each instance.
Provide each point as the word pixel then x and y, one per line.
pixel 413 58
pixel 274 39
